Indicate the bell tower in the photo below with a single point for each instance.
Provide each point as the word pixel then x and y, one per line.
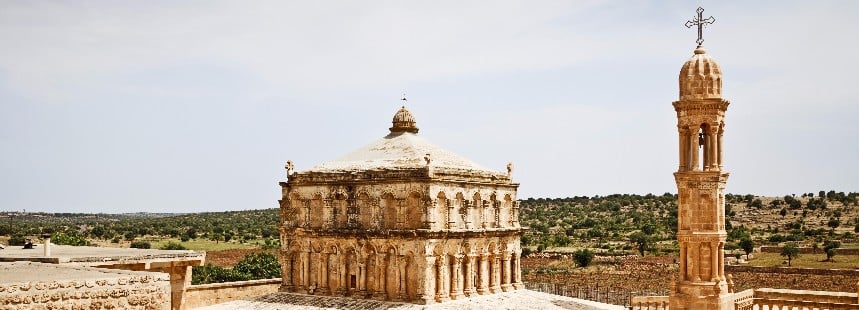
pixel 701 183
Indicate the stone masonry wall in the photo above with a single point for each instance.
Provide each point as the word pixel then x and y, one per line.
pixel 209 294
pixel 111 290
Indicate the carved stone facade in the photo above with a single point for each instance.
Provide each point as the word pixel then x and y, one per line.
pixel 402 220
pixel 701 188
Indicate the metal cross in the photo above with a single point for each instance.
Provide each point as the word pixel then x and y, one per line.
pixel 404 98
pixel 700 22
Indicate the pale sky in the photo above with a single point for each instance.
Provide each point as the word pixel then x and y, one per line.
pixel 189 106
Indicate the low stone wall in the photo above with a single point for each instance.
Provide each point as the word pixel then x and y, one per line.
pixel 815 296
pixel 48 286
pixel 789 270
pixel 215 293
pixel 806 250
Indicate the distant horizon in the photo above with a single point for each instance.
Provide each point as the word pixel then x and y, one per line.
pixel 119 107
pixel 520 199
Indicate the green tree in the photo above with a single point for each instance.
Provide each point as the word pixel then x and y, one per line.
pixel 583 257
pixel 791 251
pixel 214 274
pixel 747 245
pixel 68 239
pixel 829 248
pixel 261 265
pixel 833 223
pixel 173 246
pixel 141 245
pixel 641 241
pixel 783 212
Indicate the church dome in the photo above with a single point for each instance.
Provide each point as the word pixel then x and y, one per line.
pixel 700 77
pixel 404 122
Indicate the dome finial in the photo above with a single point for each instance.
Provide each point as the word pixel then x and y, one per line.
pixel 403 120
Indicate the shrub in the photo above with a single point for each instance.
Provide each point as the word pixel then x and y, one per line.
pixel 261 265
pixel 583 257
pixel 526 252
pixel 74 239
pixel 16 240
pixel 141 245
pixel 173 246
pixel 214 274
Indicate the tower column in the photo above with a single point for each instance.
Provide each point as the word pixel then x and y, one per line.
pixel 683 259
pixel 721 131
pixel 693 147
pixel 714 259
pixel 712 142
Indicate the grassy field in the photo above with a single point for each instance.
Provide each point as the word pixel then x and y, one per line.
pixel 202 244
pixel 806 261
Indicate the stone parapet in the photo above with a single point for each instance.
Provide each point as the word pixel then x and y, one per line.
pixel 215 293
pixel 28 285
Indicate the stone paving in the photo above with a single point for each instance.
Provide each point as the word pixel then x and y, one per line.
pixel 519 299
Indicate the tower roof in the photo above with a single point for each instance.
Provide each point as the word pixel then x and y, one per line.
pixel 402 148
pixel 700 77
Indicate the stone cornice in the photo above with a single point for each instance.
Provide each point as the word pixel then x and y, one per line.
pixel 699 106
pixel 414 233
pixel 379 176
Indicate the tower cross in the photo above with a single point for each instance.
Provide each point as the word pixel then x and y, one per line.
pixel 700 22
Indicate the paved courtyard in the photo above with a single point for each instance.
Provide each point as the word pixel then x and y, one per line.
pixel 519 299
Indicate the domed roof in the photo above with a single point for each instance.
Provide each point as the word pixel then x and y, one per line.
pixel 404 121
pixel 401 149
pixel 700 77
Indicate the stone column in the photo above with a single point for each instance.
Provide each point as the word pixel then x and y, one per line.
pixel 719 144
pixel 496 274
pixel 429 214
pixel 469 213
pixel 286 274
pixel 180 279
pixel 451 215
pixel 484 275
pixel 323 273
pixel 343 266
pixel 401 272
pixel 305 272
pixel 693 147
pixel 441 279
pixel 455 275
pixel 430 281
pixel 714 268
pixel 469 276
pixel 683 260
pixel 682 146
pixel 362 280
pixel 515 214
pixel 383 278
pixel 696 259
pixel 722 260
pixel 505 272
pixel 517 272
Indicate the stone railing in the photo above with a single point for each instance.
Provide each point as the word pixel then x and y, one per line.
pixel 209 294
pixel 744 300
pixel 768 299
pixel 649 303
pixel 771 298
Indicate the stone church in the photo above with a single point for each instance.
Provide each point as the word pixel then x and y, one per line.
pixel 400 219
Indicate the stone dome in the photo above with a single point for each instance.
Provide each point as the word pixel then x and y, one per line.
pixel 700 77
pixel 404 121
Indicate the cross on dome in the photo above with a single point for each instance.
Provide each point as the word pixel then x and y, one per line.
pixel 700 22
